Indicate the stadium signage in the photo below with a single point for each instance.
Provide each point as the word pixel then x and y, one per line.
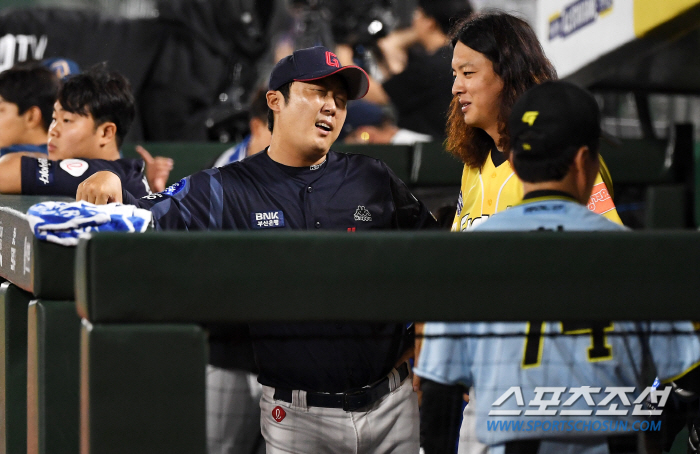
pixel 19 48
pixel 576 16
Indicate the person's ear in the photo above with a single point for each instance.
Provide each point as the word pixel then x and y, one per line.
pixel 587 162
pixel 274 100
pixel 586 167
pixel 33 118
pixel 106 133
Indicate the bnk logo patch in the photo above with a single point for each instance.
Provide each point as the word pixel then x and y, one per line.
pixel 267 219
pixel 530 116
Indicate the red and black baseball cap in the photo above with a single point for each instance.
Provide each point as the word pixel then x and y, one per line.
pixel 316 63
pixel 553 117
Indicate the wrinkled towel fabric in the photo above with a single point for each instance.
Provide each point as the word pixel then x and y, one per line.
pixel 64 222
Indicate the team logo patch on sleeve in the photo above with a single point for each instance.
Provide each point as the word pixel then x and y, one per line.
pixel 175 188
pixel 44 171
pixel 600 201
pixel 267 219
pixel 75 167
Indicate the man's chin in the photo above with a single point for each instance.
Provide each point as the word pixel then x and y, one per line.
pixel 322 145
pixel 57 156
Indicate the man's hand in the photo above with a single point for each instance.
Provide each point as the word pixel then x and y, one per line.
pixel 157 169
pixel 101 188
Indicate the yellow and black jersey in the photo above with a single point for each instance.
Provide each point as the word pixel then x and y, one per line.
pixel 495 187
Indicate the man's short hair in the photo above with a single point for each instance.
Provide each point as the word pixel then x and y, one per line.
pixel 29 85
pixel 257 106
pixel 446 12
pixel 284 89
pixel 548 125
pixel 106 95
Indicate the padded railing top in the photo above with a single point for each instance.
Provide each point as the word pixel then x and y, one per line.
pixel 41 268
pixel 388 276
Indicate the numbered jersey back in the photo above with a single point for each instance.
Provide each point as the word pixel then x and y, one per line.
pixel 556 371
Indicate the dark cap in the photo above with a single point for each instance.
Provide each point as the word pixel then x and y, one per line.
pixel 552 117
pixel 316 63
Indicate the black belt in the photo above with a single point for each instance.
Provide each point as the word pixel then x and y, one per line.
pixel 617 444
pixel 348 401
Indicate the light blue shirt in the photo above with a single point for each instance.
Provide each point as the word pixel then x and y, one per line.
pixel 495 357
pixel 548 213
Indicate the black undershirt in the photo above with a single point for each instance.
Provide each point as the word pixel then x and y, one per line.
pixel 548 193
pixel 306 174
pixel 498 158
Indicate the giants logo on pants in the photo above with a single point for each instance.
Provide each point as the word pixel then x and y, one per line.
pixel 278 413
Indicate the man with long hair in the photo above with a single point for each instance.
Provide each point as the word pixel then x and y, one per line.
pixel 496 58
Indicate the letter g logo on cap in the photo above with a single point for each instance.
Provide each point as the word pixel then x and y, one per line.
pixel 332 60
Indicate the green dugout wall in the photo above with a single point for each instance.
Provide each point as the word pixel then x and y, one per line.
pixel 141 348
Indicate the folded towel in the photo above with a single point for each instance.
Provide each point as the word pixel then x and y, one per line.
pixel 63 223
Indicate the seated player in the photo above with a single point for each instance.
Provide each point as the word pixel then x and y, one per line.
pixel 157 168
pixel 27 94
pixel 555 130
pixel 92 115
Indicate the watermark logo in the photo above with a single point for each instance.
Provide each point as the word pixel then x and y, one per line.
pixel 556 401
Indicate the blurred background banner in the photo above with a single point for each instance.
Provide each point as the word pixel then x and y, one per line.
pixel 575 33
pixel 623 45
pixel 187 61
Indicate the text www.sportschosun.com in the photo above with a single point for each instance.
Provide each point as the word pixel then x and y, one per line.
pixel 574 426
